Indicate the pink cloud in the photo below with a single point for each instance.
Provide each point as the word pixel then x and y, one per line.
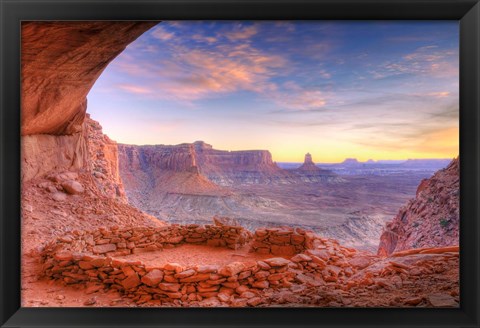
pixel 241 33
pixel 440 94
pixel 135 89
pixel 204 38
pixel 302 100
pixel 294 96
pixel 161 34
pixel 197 74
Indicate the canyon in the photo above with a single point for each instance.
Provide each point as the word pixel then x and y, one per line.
pixel 191 183
pixel 98 224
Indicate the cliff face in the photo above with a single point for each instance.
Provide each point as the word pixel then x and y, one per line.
pixel 226 168
pixel 103 161
pixel 220 167
pixel 429 220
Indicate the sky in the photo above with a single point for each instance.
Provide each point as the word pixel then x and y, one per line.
pixel 336 89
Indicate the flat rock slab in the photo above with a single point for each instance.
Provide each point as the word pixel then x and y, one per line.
pixel 442 300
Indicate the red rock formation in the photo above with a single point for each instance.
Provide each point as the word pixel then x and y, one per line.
pixel 219 166
pixel 43 153
pixel 103 161
pixel 429 220
pixel 60 63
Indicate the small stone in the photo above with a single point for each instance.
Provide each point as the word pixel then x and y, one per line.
pixel 276 261
pixel 442 300
pixel 131 281
pixel 254 301
pixel 90 301
pixel 247 295
pixel 223 297
pixel 210 302
pixel 169 287
pixel 59 196
pixel 301 258
pixel 207 269
pixel 232 269
pixel 93 289
pixel 73 187
pixel 63 256
pixel 173 267
pixel 185 274
pixel 153 278
pixel 413 301
pixel 263 265
pixel 101 249
pixel 261 284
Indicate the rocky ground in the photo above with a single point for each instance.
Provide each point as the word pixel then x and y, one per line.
pixel 431 219
pixel 68 201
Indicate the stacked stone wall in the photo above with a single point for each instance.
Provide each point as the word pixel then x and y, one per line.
pixel 284 241
pixel 93 259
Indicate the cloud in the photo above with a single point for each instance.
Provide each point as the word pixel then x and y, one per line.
pixel 439 94
pixel 241 33
pixel 295 97
pixel 135 89
pixel 426 61
pixel 160 33
pixel 196 73
pixel 204 38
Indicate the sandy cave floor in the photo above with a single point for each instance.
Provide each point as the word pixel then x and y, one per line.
pixel 192 255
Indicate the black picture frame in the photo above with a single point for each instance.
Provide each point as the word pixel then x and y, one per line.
pixel 467 12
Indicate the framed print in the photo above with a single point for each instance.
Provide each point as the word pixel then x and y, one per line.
pixel 240 163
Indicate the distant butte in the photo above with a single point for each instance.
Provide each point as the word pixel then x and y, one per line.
pixel 350 161
pixel 308 164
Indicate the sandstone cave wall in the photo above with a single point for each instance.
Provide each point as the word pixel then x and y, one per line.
pixel 60 63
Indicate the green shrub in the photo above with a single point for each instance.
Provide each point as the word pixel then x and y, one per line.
pixel 444 222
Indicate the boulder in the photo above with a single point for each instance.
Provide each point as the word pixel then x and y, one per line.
pixel 73 187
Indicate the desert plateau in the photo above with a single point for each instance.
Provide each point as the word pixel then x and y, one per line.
pixel 110 222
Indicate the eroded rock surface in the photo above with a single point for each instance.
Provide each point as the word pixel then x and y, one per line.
pixel 60 63
pixel 432 219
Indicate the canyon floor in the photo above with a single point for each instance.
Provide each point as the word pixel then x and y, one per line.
pixel 353 210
